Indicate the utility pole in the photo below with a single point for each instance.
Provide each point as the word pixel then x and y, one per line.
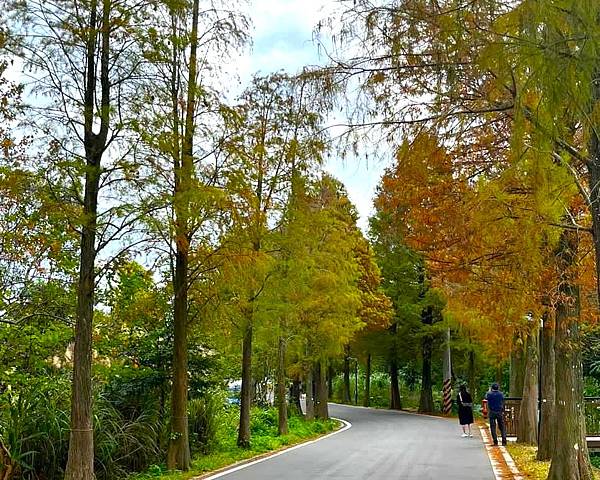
pixel 447 391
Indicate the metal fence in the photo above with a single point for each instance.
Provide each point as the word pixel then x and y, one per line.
pixel 512 408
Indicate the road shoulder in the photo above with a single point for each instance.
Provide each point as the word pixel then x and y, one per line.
pixel 221 472
pixel 502 463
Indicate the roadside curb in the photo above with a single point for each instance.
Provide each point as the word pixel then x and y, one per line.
pixel 502 463
pixel 268 455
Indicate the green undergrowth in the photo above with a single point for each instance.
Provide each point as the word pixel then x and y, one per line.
pixel 524 457
pixel 264 439
pixel 379 392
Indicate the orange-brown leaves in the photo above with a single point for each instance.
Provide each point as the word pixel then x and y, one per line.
pixel 424 198
pixel 376 307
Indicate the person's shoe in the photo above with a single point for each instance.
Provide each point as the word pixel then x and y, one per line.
pixel 495 444
pixel 464 435
pixel 470 434
pixel 504 444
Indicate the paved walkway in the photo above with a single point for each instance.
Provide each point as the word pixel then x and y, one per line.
pixel 381 445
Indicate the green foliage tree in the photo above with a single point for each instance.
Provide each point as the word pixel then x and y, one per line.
pixel 274 136
pixel 325 273
pixel 182 48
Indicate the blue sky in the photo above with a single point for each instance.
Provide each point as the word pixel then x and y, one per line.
pixel 282 38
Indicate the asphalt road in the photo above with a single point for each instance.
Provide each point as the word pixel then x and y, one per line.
pixel 381 445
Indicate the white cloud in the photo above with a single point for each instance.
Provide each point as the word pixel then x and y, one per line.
pixel 283 40
pixel 282 35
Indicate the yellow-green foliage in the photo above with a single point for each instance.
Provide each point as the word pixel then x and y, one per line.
pixel 524 457
pixel 321 270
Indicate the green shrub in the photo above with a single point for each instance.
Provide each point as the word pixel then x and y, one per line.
pixel 380 390
pixel 35 426
pixel 263 422
pixel 123 445
pixel 204 415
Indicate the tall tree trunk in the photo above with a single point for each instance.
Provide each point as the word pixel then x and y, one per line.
pixel 367 399
pixel 517 368
pixel 395 400
pixel 80 465
pixel 472 375
pixel 80 460
pixel 330 375
pixel 246 391
pixel 295 396
pixel 571 457
pixel 321 407
pixel 546 440
pixel 426 400
pixel 178 454
pixel 310 399
pixel 281 390
pixel 527 431
pixel 346 388
pixel 593 166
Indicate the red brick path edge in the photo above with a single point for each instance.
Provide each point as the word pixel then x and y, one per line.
pixel 502 463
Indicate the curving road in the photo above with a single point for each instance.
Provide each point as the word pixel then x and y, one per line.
pixel 380 445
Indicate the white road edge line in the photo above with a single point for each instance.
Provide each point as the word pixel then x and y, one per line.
pixel 346 426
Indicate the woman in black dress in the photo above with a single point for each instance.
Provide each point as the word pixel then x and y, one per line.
pixel 465 411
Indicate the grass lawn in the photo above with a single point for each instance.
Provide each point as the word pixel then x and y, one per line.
pixel 264 439
pixel 524 457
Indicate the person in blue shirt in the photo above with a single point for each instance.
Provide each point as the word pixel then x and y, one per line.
pixel 495 401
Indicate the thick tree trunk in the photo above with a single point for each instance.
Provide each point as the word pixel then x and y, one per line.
pixel 295 396
pixel 80 465
pixel 528 416
pixel 517 369
pixel 80 460
pixel 310 399
pixel 178 455
pixel 426 400
pixel 571 457
pixel 246 391
pixel 546 441
pixel 321 407
pixel 472 375
pixel 346 387
pixel 593 166
pixel 367 399
pixel 395 400
pixel 281 390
